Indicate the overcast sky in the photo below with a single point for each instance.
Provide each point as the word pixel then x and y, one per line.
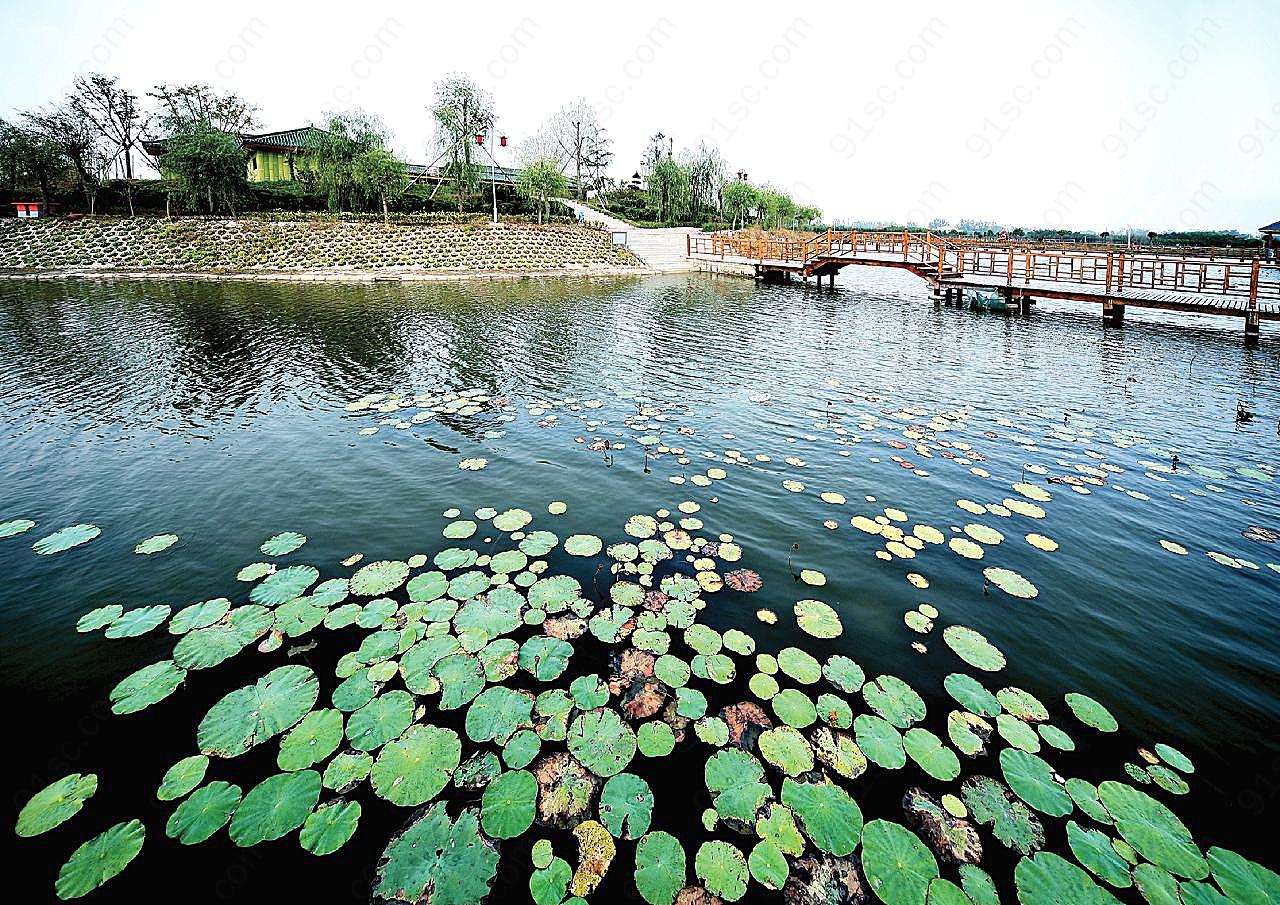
pixel 1162 114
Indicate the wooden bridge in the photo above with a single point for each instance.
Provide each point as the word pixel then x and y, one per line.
pixel 1203 280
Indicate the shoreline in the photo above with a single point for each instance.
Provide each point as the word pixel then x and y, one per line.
pixel 319 274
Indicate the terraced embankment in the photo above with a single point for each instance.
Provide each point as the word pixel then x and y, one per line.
pixel 302 249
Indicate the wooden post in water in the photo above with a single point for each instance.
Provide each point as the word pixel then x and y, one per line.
pixel 1112 312
pixel 1251 316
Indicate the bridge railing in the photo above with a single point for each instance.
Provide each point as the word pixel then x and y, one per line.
pixel 939 257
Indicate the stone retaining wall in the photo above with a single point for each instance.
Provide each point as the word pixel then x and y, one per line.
pixel 191 246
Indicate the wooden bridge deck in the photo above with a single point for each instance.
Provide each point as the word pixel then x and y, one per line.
pixel 1196 280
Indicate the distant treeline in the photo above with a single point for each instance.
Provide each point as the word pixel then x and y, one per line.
pixel 1204 238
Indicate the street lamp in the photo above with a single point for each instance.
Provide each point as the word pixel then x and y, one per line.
pixel 493 173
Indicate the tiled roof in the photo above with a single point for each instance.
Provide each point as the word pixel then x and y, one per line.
pixel 305 137
pixel 1273 228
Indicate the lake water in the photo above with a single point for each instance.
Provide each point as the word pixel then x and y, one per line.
pixel 220 413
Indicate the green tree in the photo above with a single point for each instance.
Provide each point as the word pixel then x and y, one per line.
pixel 207 165
pixel 114 114
pixel 377 173
pixel 61 131
pixel 540 182
pixel 739 199
pixel 706 178
pixel 348 137
pixel 182 107
pixel 462 110
pixel 669 190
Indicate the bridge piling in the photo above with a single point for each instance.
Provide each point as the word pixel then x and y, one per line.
pixel 1112 313
pixel 1252 324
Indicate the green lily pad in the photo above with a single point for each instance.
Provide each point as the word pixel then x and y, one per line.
pixel 1048 879
pixel 973 648
pixel 1175 758
pixel 199 615
pixel 827 815
pixel 275 807
pixel 655 739
pixel 284 585
pixel 722 869
pixel 1153 830
pixel 894 700
pixel 204 813
pixel 461 678
pixel 65 539
pixel 545 658
pixel 56 803
pixel 1093 850
pixel 508 805
pixel 626 806
pixel 843 673
pixel 787 750
pixel 101 858
pixel 1017 733
pixel 15 526
pixel 380 578
pixel 437 860
pixel 601 741
pixel 346 770
pixel 818 619
pixel 583 545
pixel 1022 704
pixel 768 865
pixel 660 868
pixel 149 685
pixel 549 884
pixel 927 750
pixel 283 543
pixel 99 618
pixel 1085 796
pixel 156 544
pixel 734 779
pixel 138 621
pixel 880 741
pixel 329 826
pixel 838 752
pixel 1031 779
pixel 1245 882
pixel 899 867
pixel 799 665
pixel 1012 583
pixel 1091 713
pixel 794 708
pixel 1012 822
pixel 251 715
pixel 497 713
pixel 311 741
pixel 384 718
pixel 521 749
pixel 182 777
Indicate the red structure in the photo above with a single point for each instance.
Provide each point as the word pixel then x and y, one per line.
pixel 30 210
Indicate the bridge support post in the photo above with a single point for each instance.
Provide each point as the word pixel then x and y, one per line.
pixel 951 295
pixel 1024 303
pixel 959 297
pixel 1112 313
pixel 1252 328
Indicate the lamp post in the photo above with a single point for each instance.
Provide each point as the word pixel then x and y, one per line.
pixel 493 173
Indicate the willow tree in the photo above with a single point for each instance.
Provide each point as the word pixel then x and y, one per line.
pixel 348 137
pixel 669 190
pixel 462 110
pixel 739 198
pixel 377 173
pixel 541 181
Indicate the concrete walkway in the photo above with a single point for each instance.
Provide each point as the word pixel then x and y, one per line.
pixel 661 250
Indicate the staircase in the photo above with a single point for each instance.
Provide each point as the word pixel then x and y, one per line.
pixel 661 250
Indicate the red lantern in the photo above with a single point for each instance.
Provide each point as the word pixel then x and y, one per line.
pixel 479 138
pixel 502 140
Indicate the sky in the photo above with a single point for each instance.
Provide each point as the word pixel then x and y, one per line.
pixel 1156 114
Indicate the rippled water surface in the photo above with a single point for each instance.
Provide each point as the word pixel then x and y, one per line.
pixel 219 413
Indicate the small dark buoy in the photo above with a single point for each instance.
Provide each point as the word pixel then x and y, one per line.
pixel 1243 415
pixel 1175 461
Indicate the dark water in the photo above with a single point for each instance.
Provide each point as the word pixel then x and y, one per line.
pixel 217 413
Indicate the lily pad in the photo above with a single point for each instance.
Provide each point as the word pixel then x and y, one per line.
pixel 329 826
pixel 880 741
pixel 251 715
pixel 65 539
pixel 275 807
pixel 1012 822
pixel 147 686
pixel 1031 779
pixel 827 815
pixel 895 700
pixel 99 618
pixel 626 806
pixel 935 758
pixel 379 578
pixel 818 619
pixel 973 648
pixel 722 869
pixel 138 621
pixel 1153 830
pixel 204 813
pixel 971 695
pixel 56 803
pixel 1091 713
pixel 734 779
pixel 182 777
pixel 508 805
pixel 311 741
pixel 382 719
pixel 1048 879
pixel 1093 850
pixel 601 741
pixel 101 858
pixel 438 860
pixel 15 526
pixel 156 544
pixel 284 585
pixel 899 867
pixel 787 750
pixel 283 543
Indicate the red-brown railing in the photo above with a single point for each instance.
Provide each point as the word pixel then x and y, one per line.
pixel 936 257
